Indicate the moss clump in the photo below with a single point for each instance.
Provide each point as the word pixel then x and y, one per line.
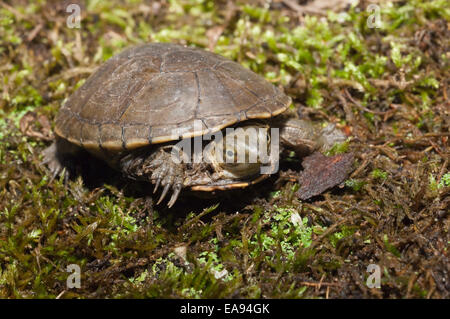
pixel 383 86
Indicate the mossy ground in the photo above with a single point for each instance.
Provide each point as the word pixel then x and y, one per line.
pixel 387 87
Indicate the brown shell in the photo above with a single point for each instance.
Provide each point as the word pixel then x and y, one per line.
pixel 153 93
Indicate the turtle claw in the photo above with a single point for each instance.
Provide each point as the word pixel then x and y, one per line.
pixel 62 172
pixel 164 193
pixel 167 174
pixel 158 182
pixel 158 168
pixel 175 194
pixel 170 181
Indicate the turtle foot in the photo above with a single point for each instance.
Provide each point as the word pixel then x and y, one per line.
pixel 159 168
pixel 52 160
pixel 167 174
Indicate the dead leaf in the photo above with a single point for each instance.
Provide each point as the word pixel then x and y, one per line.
pixel 321 173
pixel 28 126
pixel 213 35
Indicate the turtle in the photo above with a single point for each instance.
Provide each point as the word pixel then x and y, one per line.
pixel 138 107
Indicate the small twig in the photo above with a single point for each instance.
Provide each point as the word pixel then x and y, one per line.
pixel 19 15
pixel 410 285
pixel 402 84
pixel 197 218
pixel 443 169
pixel 71 73
pixel 60 294
pixel 360 106
pixel 318 284
pixel 331 229
pixel 365 162
pixel 214 33
pixel 35 32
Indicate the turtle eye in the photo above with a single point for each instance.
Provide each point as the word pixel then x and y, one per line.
pixel 230 156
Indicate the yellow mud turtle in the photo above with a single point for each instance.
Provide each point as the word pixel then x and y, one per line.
pixel 151 99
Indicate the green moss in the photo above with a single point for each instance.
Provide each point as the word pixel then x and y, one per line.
pixel 391 248
pixel 288 233
pixel 271 244
pixel 356 185
pixel 445 181
pixel 338 148
pixel 378 173
pixel 344 233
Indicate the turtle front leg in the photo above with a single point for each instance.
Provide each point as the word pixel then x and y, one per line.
pixel 168 174
pixel 157 167
pixel 55 157
pixel 52 160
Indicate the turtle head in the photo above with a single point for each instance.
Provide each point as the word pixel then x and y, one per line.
pixel 240 153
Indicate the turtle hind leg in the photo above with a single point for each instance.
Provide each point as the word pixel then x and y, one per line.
pixel 159 168
pixel 55 157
